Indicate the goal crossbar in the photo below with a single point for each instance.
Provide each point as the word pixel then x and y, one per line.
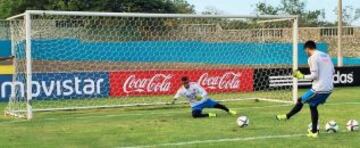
pixel 163 15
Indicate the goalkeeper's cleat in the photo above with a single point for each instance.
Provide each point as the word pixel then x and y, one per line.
pixel 281 117
pixel 310 134
pixel 212 115
pixel 232 112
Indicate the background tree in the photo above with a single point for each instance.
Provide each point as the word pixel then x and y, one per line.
pixel 212 11
pixel 294 7
pixel 350 14
pixel 13 7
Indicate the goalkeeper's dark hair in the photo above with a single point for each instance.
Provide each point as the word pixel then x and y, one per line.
pixel 310 44
pixel 184 78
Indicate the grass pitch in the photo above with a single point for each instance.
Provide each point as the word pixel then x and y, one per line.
pixel 173 126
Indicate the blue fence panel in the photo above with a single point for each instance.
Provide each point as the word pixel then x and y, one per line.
pixel 169 51
pixel 5 48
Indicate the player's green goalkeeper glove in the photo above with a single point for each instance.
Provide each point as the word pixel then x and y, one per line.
pixel 297 74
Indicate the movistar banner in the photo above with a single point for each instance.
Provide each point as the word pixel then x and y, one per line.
pixel 59 85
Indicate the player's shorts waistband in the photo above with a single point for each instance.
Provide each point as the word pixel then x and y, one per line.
pixel 322 92
pixel 199 102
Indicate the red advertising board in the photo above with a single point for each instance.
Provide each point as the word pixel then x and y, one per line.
pixel 165 82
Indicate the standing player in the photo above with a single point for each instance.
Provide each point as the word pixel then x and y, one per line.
pixel 191 91
pixel 322 70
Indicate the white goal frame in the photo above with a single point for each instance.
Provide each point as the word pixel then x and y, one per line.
pixel 28 31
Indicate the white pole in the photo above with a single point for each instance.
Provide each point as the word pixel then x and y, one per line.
pixel 13 53
pixel 340 27
pixel 114 14
pixel 28 65
pixel 295 58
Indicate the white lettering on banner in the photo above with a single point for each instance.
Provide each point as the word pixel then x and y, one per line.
pixel 68 90
pixel 56 87
pixel 157 83
pixel 13 86
pixel 228 80
pixel 343 78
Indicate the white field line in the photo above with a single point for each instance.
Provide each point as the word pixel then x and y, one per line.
pixel 181 112
pixel 169 113
pixel 217 141
pixel 89 116
pixel 220 140
pixel 146 104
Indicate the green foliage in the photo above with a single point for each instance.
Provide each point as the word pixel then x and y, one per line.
pixel 13 7
pixel 294 7
pixel 350 14
pixel 264 9
pixel 212 11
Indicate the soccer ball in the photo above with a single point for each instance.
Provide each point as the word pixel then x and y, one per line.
pixel 243 121
pixel 310 126
pixel 352 125
pixel 331 127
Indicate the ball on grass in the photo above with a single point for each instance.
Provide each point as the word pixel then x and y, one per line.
pixel 331 127
pixel 243 121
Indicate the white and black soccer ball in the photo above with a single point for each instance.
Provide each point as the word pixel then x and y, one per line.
pixel 331 127
pixel 310 126
pixel 352 125
pixel 243 121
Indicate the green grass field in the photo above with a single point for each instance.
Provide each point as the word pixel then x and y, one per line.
pixel 173 126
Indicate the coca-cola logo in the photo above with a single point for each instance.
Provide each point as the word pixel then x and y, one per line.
pixel 228 80
pixel 156 83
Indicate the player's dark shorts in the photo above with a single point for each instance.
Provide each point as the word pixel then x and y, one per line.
pixel 314 98
pixel 207 103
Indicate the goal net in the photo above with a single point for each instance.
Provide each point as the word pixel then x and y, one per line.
pixel 81 60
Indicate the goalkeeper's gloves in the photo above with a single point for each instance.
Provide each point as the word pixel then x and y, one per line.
pixel 198 98
pixel 297 74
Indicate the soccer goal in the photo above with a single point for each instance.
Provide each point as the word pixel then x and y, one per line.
pixel 69 60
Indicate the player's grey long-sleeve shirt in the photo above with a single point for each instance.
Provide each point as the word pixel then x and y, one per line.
pixel 190 94
pixel 321 72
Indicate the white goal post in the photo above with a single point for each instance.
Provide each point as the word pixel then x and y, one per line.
pixel 69 60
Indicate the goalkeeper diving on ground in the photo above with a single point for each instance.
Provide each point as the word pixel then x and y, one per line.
pixel 198 99
pixel 321 74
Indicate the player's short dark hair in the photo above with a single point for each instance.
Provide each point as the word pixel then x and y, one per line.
pixel 310 44
pixel 184 78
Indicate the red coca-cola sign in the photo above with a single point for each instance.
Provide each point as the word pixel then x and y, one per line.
pixel 228 80
pixel 137 83
pixel 156 83
pixel 224 80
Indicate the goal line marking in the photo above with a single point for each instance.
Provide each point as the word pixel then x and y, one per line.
pixel 217 141
pixel 90 115
pixel 242 108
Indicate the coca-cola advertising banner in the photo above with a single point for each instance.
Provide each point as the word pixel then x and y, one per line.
pixel 136 83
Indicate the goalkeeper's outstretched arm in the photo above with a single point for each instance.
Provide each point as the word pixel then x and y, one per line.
pixel 176 97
